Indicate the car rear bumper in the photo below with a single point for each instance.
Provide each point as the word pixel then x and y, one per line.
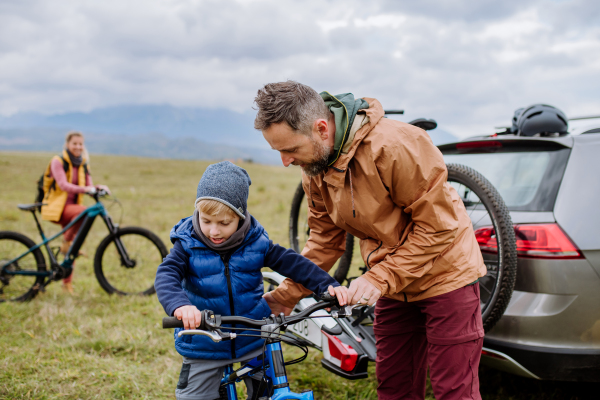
pixel 548 363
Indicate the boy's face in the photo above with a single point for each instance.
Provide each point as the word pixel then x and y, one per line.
pixel 218 228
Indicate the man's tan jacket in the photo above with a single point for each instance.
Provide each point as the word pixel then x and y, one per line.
pixel 389 189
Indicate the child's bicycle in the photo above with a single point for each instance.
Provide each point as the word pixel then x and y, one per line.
pixel 270 366
pixel 125 261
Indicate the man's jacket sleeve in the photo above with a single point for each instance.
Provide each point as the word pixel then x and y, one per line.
pixel 324 247
pixel 300 269
pixel 413 170
pixel 168 280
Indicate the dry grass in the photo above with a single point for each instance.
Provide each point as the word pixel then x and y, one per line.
pixel 95 346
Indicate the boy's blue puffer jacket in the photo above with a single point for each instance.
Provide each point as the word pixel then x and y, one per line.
pixel 208 288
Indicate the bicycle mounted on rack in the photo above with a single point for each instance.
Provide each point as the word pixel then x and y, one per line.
pixel 274 382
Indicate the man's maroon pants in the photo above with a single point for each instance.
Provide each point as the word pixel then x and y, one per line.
pixel 444 332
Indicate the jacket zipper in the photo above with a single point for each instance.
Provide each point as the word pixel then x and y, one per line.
pixel 225 259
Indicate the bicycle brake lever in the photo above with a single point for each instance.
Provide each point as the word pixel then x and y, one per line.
pixel 214 336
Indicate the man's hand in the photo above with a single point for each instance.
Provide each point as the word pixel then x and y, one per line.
pixel 275 306
pixel 341 292
pixel 190 316
pixel 362 291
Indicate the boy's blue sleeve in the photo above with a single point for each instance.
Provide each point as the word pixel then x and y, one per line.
pixel 168 280
pixel 299 268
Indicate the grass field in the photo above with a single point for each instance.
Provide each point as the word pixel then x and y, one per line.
pixel 94 346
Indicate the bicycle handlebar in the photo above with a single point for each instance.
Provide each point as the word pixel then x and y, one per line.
pixel 210 321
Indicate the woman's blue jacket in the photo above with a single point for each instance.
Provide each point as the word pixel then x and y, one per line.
pixel 228 284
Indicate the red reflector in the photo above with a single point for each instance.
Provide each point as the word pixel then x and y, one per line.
pixel 339 353
pixel 535 241
pixel 478 145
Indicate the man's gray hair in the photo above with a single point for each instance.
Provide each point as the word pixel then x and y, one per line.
pixel 292 102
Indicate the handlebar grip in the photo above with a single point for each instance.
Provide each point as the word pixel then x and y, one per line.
pixel 171 322
pixel 325 296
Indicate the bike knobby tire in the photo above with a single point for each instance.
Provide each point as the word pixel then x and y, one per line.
pixel 143 248
pixel 481 198
pixel 299 233
pixel 19 287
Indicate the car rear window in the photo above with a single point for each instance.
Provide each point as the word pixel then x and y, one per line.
pixel 526 180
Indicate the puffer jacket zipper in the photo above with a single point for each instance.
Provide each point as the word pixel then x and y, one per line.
pixel 225 258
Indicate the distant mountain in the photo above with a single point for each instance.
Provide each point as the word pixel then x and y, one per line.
pixel 206 125
pixel 145 145
pixel 153 131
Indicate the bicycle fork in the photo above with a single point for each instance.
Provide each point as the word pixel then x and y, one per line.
pixel 275 370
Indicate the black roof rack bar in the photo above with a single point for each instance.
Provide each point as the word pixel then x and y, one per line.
pixel 393 111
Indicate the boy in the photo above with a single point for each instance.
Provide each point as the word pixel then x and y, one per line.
pixel 215 264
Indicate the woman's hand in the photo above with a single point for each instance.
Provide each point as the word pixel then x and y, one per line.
pixel 341 292
pixel 90 189
pixel 103 187
pixel 190 316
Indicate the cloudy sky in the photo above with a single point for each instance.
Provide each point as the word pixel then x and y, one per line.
pixel 468 64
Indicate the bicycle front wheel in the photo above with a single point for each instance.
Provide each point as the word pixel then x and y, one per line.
pixel 126 262
pixel 19 287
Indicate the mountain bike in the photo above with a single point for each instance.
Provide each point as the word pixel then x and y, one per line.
pixel 125 260
pixel 268 368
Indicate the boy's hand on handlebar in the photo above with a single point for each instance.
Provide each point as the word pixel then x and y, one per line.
pixel 341 292
pixel 189 315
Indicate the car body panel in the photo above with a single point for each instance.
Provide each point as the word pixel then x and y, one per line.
pixel 577 207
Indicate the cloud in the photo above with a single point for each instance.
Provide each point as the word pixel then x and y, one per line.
pixel 469 65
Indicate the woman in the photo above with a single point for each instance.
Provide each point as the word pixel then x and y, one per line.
pixel 70 179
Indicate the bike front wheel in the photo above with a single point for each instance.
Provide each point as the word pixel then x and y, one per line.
pixel 126 262
pixel 19 287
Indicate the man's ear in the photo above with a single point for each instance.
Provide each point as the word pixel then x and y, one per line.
pixel 322 128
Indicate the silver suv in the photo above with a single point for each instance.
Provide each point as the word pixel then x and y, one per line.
pixel 551 185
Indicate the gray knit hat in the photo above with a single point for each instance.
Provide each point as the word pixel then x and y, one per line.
pixel 227 183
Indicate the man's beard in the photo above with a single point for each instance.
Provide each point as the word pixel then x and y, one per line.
pixel 319 164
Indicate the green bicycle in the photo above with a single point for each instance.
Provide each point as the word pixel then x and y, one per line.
pixel 125 261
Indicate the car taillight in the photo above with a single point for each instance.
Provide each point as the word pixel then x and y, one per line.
pixel 533 240
pixel 339 353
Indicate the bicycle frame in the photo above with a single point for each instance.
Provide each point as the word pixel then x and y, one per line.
pixel 88 215
pixel 275 372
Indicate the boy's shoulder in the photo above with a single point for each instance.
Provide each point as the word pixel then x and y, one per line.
pixel 183 231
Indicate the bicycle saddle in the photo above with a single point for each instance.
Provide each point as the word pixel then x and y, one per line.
pixel 30 207
pixel 425 124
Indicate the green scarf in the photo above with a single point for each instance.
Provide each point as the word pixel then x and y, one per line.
pixel 344 108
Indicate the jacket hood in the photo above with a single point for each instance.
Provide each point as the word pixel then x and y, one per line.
pixel 184 231
pixel 344 108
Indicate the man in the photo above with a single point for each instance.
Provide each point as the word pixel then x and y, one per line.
pixel 385 182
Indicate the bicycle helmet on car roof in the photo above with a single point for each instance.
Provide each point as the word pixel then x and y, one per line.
pixel 541 119
pixel 514 129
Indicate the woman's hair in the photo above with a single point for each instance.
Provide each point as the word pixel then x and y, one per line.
pixel 214 208
pixel 70 136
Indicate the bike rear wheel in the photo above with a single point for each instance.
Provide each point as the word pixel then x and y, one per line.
pixel 299 233
pixel 135 273
pixel 488 212
pixel 19 287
